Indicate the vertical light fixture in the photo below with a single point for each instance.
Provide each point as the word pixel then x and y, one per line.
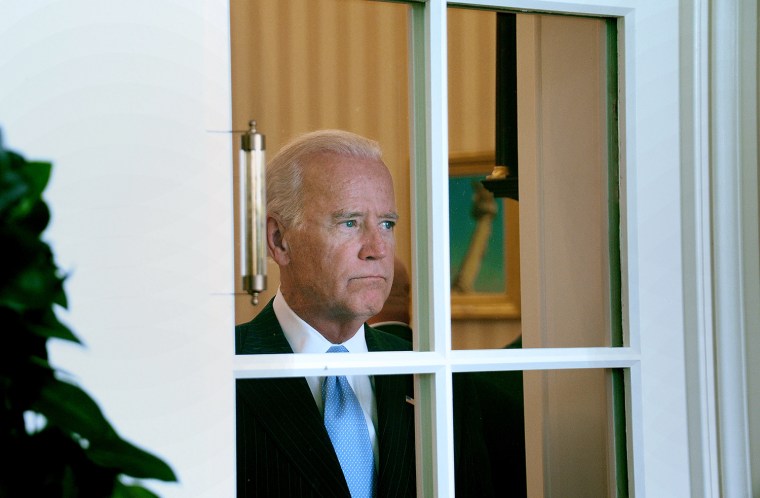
pixel 253 248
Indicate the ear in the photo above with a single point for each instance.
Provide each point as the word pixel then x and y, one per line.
pixel 276 244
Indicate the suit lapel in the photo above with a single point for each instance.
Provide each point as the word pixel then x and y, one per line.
pixel 395 420
pixel 262 335
pixel 285 407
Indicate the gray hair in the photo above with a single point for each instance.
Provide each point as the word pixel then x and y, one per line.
pixel 284 176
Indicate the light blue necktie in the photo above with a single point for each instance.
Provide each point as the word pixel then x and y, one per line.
pixel 346 425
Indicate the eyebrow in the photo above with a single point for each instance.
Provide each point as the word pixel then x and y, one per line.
pixel 347 215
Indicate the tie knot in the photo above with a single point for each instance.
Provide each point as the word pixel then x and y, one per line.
pixel 337 348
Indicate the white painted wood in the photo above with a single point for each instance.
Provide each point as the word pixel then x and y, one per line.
pixel 655 245
pixel 590 7
pixel 697 257
pixel 288 365
pixel 438 251
pixel 430 249
pixel 749 94
pixel 733 142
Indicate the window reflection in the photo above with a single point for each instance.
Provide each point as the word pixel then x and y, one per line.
pixel 544 433
pixel 556 249
pixel 304 65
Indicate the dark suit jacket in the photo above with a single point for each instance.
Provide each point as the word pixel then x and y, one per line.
pixel 398 329
pixel 503 413
pixel 282 446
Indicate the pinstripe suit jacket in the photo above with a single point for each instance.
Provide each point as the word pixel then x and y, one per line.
pixel 283 449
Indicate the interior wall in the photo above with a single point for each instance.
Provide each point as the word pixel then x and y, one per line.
pixel 339 69
pixel 472 80
pixel 303 65
pixel 121 97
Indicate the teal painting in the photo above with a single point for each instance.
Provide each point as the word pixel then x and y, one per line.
pixel 491 274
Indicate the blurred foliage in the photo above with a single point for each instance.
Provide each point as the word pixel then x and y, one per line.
pixel 55 441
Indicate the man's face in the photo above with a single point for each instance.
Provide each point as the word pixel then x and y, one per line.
pixel 340 259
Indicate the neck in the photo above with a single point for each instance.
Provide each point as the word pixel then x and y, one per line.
pixel 336 334
pixel 337 330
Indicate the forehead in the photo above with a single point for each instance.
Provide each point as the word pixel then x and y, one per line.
pixel 337 180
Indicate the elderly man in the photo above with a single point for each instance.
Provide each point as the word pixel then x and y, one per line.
pixel 331 212
pixel 330 217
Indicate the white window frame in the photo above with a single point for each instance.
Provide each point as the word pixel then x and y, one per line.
pixel 667 266
pixel 430 253
pixel 726 383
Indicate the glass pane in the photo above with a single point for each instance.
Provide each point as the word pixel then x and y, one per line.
pixel 303 65
pixel 534 247
pixel 555 433
pixel 286 448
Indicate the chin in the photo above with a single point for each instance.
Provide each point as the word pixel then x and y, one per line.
pixel 369 307
pixel 367 301
pixel 372 312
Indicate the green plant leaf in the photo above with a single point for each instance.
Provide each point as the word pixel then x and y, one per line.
pixel 55 331
pixel 35 176
pixel 12 190
pixel 13 187
pixel 70 408
pixel 34 287
pixel 122 490
pixel 49 326
pixel 32 215
pixel 51 463
pixel 129 459
pixel 22 183
pixel 28 276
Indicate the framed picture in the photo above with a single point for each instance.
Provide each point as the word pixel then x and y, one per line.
pixel 484 243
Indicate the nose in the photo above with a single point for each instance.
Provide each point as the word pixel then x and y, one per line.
pixel 375 244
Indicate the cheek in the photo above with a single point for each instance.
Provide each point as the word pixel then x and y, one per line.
pixel 329 258
pixel 307 249
pixel 319 263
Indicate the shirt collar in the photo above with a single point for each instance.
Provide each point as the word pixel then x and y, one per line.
pixel 303 338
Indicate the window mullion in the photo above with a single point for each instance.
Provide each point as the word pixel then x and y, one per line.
pixel 430 252
pixel 542 359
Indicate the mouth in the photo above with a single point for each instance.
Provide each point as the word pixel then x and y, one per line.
pixel 369 278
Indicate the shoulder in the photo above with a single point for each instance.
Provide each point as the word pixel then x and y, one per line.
pixel 261 335
pixel 399 329
pixel 380 340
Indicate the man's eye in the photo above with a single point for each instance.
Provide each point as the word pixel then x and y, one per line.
pixel 388 225
pixel 350 223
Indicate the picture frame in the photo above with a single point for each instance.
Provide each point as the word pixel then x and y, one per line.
pixel 490 246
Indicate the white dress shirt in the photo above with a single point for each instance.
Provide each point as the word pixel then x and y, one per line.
pixel 303 338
